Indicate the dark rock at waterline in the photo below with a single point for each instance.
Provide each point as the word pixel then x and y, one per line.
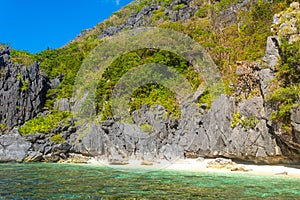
pixel 34 156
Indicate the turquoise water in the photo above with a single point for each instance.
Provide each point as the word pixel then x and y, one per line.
pixel 67 181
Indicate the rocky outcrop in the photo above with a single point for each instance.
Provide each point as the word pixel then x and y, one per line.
pixel 196 135
pixel 13 147
pixel 22 91
pixel 135 20
pixel 179 10
pixel 295 117
pixel 44 148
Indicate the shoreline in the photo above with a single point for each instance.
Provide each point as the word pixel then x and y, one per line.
pixel 194 165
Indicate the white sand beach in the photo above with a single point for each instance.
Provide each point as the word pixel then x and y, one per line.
pixel 197 165
pixel 276 170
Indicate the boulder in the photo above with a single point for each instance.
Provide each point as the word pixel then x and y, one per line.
pixel 221 163
pixel 34 156
pixel 13 147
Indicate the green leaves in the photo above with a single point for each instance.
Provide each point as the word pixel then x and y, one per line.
pixel 289 70
pixel 150 94
pixel 43 124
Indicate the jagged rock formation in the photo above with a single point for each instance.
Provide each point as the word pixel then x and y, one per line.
pixel 22 91
pixel 211 135
pixel 141 18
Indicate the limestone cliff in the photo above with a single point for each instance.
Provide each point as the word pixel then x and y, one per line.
pixel 22 91
pixel 237 125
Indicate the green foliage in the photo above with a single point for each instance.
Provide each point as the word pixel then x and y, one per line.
pixel 67 61
pixel 147 128
pixel 178 6
pixel 286 94
pixel 289 70
pixel 57 138
pixel 246 122
pixel 148 94
pixel 152 94
pixel 19 76
pixel 203 11
pixel 43 124
pixel 228 89
pixel 158 14
pixel 3 128
pixel 50 98
pixel 21 57
pixel 249 122
pixel 205 98
pixel 165 3
pixel 236 117
pixel 223 4
pixel 24 85
pixel 282 100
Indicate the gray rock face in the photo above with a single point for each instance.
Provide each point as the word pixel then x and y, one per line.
pixel 198 133
pixel 295 117
pixel 178 10
pixel 56 81
pixel 13 147
pixel 121 141
pixel 265 76
pixel 272 52
pixel 183 13
pixel 135 20
pixel 63 104
pixel 22 91
pixel 141 18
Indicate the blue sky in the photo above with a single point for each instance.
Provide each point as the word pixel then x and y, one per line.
pixel 35 25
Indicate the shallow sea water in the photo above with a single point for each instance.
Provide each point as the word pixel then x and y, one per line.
pixel 71 181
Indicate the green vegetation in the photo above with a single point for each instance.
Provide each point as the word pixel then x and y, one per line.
pixel 22 57
pixel 178 6
pixel 236 117
pixel 3 128
pixel 147 128
pixel 58 139
pixel 44 124
pixel 158 14
pixel 246 122
pixel 226 43
pixel 152 94
pixel 24 85
pixel 203 12
pixel 67 61
pixel 286 85
pixel 249 123
pixel 149 94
